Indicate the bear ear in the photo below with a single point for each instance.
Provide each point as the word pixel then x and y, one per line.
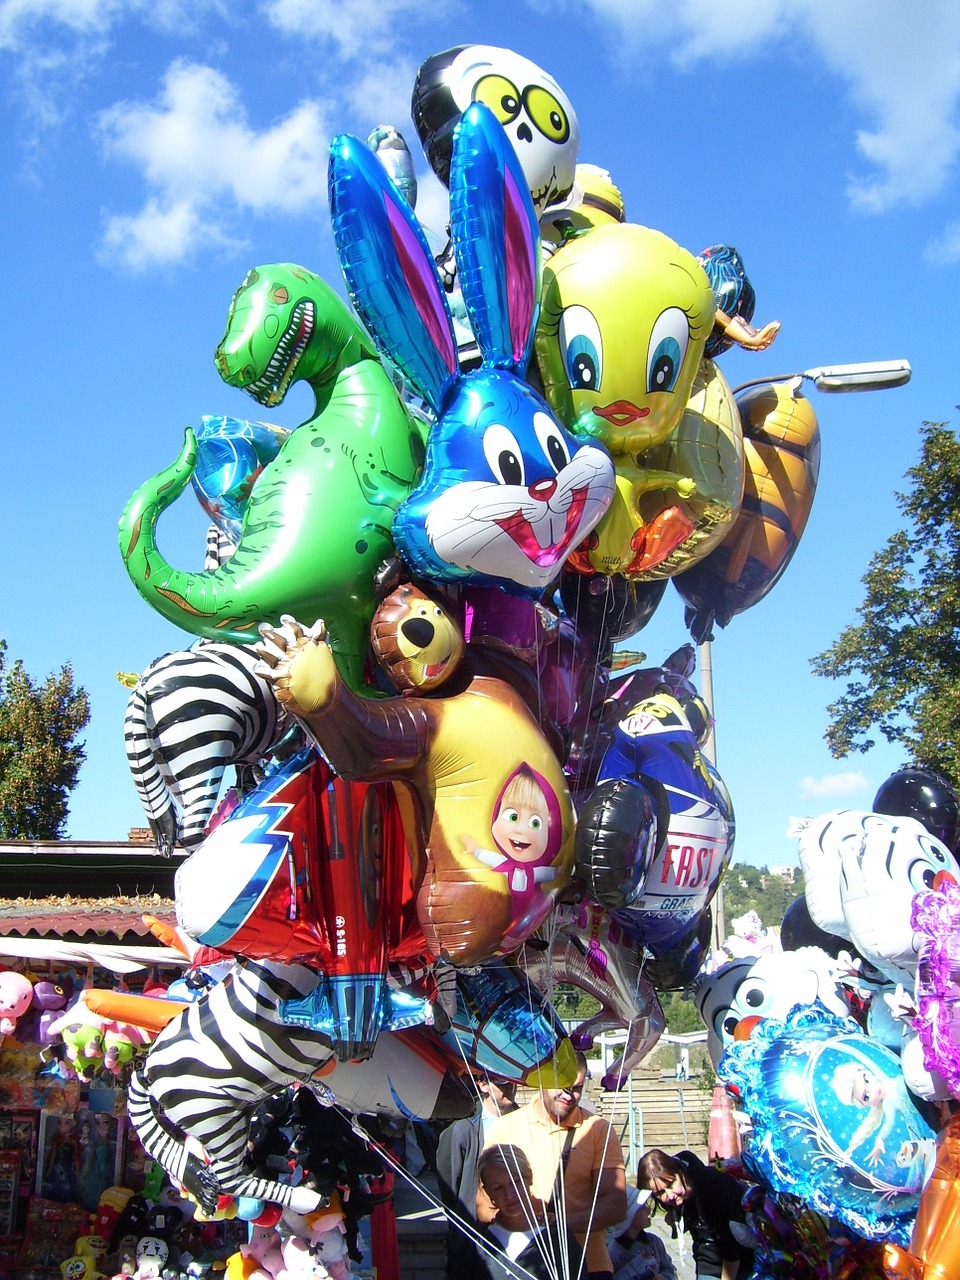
pixel 496 239
pixel 389 270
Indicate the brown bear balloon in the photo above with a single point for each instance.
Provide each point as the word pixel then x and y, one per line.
pixel 487 809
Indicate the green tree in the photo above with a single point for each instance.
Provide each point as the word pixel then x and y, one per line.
pixel 39 755
pixel 902 659
pixel 747 888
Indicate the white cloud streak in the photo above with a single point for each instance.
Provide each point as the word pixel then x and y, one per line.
pixel 899 62
pixel 204 164
pixel 834 785
pixel 353 27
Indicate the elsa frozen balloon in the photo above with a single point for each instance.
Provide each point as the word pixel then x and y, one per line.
pixel 833 1121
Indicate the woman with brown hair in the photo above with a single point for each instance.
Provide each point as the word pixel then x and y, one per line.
pixel 705 1201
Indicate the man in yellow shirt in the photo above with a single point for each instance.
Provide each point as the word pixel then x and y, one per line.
pixel 577 1164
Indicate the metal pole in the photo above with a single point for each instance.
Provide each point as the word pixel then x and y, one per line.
pixel 705 658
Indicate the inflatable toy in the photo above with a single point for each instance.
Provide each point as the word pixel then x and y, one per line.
pixel 626 314
pixel 832 1120
pixel 927 796
pixel 506 492
pixel 319 516
pixel 535 113
pixel 494 821
pixel 736 301
pixel 781 450
pixel 655 745
pixel 231 453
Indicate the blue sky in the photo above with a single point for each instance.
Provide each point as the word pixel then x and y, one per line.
pixel 153 152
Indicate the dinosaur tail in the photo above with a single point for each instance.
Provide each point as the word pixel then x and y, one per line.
pixel 194 601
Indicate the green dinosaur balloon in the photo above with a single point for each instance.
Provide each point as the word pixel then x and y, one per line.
pixel 317 524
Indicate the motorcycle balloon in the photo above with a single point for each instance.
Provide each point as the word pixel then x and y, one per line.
pixel 653 744
pixel 616 841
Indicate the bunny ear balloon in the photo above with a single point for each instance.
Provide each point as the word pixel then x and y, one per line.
pixel 506 491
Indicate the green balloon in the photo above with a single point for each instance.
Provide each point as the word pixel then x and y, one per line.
pixel 317 524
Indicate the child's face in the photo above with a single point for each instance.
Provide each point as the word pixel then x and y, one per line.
pixel 641 1219
pixel 521 832
pixel 507 1196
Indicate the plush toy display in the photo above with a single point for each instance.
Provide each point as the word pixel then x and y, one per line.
pixel 16 994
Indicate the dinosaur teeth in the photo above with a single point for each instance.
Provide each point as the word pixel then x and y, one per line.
pixel 273 384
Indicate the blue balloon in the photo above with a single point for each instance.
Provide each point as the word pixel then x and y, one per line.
pixel 833 1121
pixel 655 745
pixel 506 492
pixel 231 453
pixel 503 1024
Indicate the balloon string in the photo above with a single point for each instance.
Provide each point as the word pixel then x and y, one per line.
pixel 509 1264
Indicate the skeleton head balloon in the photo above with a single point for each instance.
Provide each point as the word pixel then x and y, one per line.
pixel 536 114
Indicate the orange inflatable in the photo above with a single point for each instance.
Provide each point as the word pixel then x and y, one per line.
pixel 935 1245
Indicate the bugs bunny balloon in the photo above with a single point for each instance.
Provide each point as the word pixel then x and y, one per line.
pixel 506 491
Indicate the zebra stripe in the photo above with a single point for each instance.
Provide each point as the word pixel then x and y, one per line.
pixel 207 1071
pixel 219 549
pixel 193 713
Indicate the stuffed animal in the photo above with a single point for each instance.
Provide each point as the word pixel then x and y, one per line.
pixel 49 1001
pixel 152 1255
pixel 82 1037
pixel 299 1261
pixel 80 1267
pixel 16 994
pixel 262 1255
pixel 120 1043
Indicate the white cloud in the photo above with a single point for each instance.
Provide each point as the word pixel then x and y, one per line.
pixel 353 26
pixel 834 785
pixel 900 63
pixel 20 19
pixel 379 93
pixel 204 165
pixel 944 249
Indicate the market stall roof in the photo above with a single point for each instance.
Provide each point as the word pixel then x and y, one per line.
pixel 86 894
pixel 116 958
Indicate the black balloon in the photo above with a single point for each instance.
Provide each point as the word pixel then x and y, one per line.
pixel 678 967
pixel 609 608
pixel 927 796
pixel 617 839
pixel 797 929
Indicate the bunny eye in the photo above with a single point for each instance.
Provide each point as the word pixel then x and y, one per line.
pixel 546 113
pixel 500 95
pixel 503 455
pixel 668 346
pixel 582 348
pixel 551 441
